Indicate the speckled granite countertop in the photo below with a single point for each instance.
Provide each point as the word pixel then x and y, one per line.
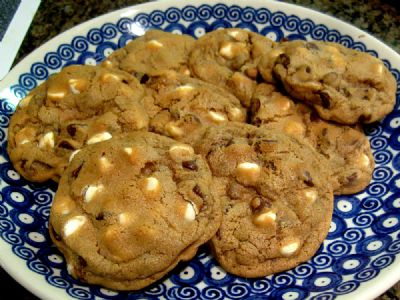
pixel 379 17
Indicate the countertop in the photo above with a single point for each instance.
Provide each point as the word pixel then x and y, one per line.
pixel 378 17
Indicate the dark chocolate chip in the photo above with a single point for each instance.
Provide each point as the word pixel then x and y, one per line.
pixel 149 168
pixel 284 39
pixel 259 78
pixel 255 106
pixel 325 100
pixel 314 117
pixel 71 129
pixel 198 192
pixel 144 79
pixel 66 145
pixel 308 69
pixel 23 163
pixel 75 172
pixel 307 178
pixel 312 46
pixel 352 178
pixel 283 59
pixel 324 131
pixel 259 203
pixel 190 164
pixel 100 216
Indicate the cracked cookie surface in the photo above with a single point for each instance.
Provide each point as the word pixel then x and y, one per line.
pixel 346 148
pixel 129 209
pixel 228 58
pixel 78 106
pixel 276 198
pixel 342 84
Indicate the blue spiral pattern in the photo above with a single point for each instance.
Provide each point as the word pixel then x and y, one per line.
pixel 365 229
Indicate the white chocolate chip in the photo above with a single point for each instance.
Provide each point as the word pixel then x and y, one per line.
pixel 265 218
pixel 55 95
pixel 128 150
pixel 151 186
pixel 73 224
pixel 185 88
pixel 73 154
pixel 364 161
pixel 181 152
pixel 186 72
pixel 378 69
pixel 248 172
pixel 294 128
pixel 125 218
pixel 70 269
pixel 282 103
pixel 77 86
pixel 109 77
pixel 235 114
pixel 91 191
pixel 47 140
pixel 105 164
pixel 63 206
pixel 154 44
pixel 311 195
pixel 173 130
pixel 24 141
pixel 290 248
pixel 99 137
pixel 191 211
pixel 238 35
pixel 217 117
pixel 227 51
pixel 107 63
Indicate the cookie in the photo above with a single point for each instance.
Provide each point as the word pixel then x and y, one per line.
pixel 276 198
pixel 347 148
pixel 228 58
pixel 342 84
pixel 78 106
pixel 180 106
pixel 127 210
pixel 153 53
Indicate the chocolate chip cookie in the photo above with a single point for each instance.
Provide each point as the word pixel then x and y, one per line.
pixel 180 106
pixel 78 106
pixel 127 210
pixel 342 84
pixel 276 197
pixel 347 148
pixel 228 58
pixel 152 53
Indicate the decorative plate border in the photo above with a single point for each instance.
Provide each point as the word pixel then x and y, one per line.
pixel 365 231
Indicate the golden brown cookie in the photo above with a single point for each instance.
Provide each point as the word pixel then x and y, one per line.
pixel 153 53
pixel 78 106
pixel 181 105
pixel 127 210
pixel 276 197
pixel 347 148
pixel 228 58
pixel 342 84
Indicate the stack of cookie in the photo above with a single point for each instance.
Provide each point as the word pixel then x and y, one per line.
pixel 171 143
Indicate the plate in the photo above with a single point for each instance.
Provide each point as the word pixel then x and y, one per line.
pixel 360 257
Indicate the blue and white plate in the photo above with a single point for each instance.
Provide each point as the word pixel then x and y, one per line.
pixel 360 258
